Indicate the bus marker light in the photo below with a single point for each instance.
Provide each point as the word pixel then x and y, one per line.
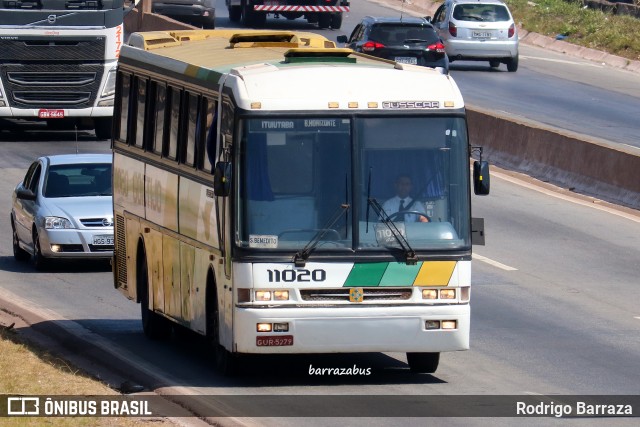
pixel 263 327
pixel 429 294
pixel 464 293
pixel 281 295
pixel 334 105
pixel 447 294
pixel 263 295
pixel 432 324
pixel 372 104
pixel 280 327
pixel 256 105
pixel 449 324
pixel 244 295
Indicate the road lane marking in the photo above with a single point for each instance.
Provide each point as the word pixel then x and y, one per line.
pixel 494 263
pixel 562 61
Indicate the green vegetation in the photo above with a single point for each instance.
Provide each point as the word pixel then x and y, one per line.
pixel 615 34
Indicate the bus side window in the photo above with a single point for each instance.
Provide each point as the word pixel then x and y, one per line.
pixel 125 88
pixel 159 117
pixel 226 124
pixel 174 122
pixel 141 97
pixel 192 120
pixel 210 130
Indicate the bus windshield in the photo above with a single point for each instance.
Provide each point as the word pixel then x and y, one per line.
pixel 298 176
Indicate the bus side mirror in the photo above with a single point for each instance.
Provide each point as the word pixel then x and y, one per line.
pixel 481 179
pixel 222 179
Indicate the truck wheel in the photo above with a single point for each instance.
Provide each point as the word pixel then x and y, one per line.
pixel 235 13
pixel 324 20
pixel 424 363
pixel 103 127
pixel 336 20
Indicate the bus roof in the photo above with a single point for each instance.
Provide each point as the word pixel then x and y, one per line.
pixel 285 70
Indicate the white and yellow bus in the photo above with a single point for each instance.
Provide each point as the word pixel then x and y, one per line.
pixel 251 170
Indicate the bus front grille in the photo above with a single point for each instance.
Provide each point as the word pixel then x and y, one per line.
pixel 369 294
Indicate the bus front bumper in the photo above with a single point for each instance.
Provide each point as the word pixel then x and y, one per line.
pixel 352 329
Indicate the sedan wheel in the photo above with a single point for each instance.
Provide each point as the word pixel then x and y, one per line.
pixel 38 259
pixel 18 253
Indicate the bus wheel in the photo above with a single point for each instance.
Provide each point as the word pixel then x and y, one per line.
pixel 424 363
pixel 226 362
pixel 102 127
pixel 154 326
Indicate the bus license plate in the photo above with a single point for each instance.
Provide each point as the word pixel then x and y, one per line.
pixel 407 59
pixel 481 34
pixel 103 240
pixel 51 114
pixel 274 340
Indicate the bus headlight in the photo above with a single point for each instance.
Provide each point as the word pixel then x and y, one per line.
pixel 281 295
pixel 263 295
pixel 447 294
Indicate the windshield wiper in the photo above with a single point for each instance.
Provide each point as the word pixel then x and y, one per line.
pixel 300 258
pixel 410 254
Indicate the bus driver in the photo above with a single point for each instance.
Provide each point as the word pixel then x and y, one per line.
pixel 402 202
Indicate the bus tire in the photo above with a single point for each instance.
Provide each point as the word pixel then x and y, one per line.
pixel 102 126
pixel 154 326
pixel 424 363
pixel 225 361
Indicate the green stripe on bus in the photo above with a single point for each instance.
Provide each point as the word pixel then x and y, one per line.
pixel 368 274
pixel 400 274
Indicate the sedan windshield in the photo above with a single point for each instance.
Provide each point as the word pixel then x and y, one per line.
pixel 78 180
pixel 299 189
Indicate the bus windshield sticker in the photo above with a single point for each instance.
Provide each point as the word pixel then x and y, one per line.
pixel 263 241
pixel 385 236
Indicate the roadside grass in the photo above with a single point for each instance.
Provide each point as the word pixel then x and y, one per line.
pixel 615 34
pixel 28 370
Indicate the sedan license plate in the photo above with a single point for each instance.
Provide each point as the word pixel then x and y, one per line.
pixel 103 240
pixel 50 114
pixel 481 34
pixel 407 59
pixel 274 340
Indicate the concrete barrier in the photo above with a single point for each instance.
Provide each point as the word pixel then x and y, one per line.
pixel 587 166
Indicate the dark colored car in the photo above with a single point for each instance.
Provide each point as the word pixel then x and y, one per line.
pixel 408 40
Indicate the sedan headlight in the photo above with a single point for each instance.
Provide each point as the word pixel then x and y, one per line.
pixel 56 222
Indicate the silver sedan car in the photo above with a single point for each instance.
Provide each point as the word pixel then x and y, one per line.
pixel 63 209
pixel 478 30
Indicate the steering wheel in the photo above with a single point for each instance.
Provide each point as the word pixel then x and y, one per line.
pixel 398 214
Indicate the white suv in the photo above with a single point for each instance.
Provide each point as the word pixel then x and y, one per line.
pixel 478 30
